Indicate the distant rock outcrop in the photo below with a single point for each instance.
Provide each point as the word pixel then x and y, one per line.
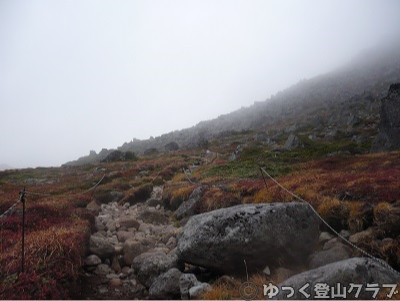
pixel 293 142
pixel 117 155
pixel 389 127
pixel 171 146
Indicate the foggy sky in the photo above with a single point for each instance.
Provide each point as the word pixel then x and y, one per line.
pixel 81 75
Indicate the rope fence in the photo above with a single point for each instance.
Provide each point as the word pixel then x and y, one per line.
pixel 65 195
pixel 377 260
pixel 9 210
pixel 22 200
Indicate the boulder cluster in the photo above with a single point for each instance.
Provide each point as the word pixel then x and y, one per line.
pixel 142 248
pixel 134 248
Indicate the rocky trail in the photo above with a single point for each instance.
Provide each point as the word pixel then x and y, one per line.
pixel 123 233
pixel 141 251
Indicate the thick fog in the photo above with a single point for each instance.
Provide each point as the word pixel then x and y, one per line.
pixel 81 75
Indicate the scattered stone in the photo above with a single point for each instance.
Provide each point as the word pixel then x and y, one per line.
pixel 115 265
pixel 133 248
pixel 324 237
pixel 92 260
pixel 151 264
pixel 187 281
pixel 124 235
pixel 324 257
pixel 370 233
pixel 154 217
pixel 166 285
pixel 154 202
pixel 331 243
pixel 267 271
pixel 128 222
pixel 171 243
pixel 102 269
pixel 93 206
pixel 100 247
pixel 115 282
pixel 196 291
pixel 186 209
pixel 345 233
pixel 110 226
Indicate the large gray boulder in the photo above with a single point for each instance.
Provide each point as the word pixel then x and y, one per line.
pixel 389 127
pixel 350 271
pixel 262 234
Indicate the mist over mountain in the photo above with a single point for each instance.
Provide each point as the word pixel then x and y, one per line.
pixel 5 167
pixel 345 101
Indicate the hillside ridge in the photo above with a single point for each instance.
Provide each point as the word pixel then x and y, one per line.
pixel 346 99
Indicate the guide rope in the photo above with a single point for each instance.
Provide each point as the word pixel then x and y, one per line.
pixel 9 210
pixel 65 195
pixel 377 260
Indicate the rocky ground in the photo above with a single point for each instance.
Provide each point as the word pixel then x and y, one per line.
pixel 140 251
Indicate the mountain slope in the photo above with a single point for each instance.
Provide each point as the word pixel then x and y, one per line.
pixel 345 100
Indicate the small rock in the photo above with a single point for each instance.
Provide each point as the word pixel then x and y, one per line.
pixel 124 235
pixel 187 281
pixel 369 234
pixel 115 265
pixel 166 285
pixel 115 282
pixel 330 244
pixel 133 248
pixel 337 253
pixel 324 237
pixel 196 291
pixel 154 217
pixel 129 222
pixel 152 264
pixel 111 276
pixel 92 260
pixel 111 226
pixel 126 270
pixel 102 269
pixel 345 233
pixel 118 249
pixel 171 243
pixel 153 202
pixel 100 247
pixel 93 206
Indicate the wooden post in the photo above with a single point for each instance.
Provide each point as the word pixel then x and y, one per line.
pixel 23 230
